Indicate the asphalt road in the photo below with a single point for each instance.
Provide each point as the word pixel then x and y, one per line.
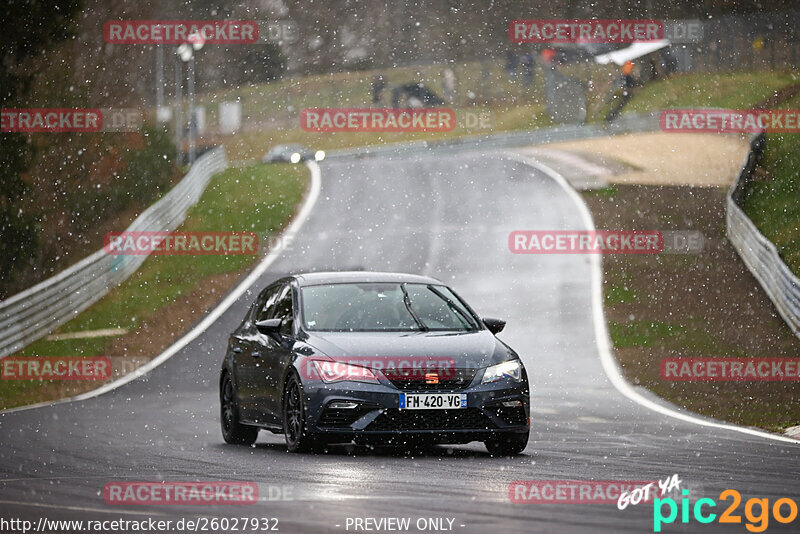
pixel 445 215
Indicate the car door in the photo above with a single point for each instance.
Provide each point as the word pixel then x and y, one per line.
pixel 248 356
pixel 277 355
pixel 239 351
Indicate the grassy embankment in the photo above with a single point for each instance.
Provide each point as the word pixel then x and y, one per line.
pixel 705 305
pixel 168 293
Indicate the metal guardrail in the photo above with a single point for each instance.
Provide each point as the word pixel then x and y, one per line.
pixel 629 123
pixel 757 252
pixel 37 311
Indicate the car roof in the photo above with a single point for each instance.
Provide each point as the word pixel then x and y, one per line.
pixel 365 277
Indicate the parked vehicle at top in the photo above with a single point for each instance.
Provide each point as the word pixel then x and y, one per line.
pixel 415 95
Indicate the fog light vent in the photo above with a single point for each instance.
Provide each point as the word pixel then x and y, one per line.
pixel 341 405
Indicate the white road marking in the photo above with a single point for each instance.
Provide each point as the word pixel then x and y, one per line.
pixel 607 359
pixel 105 332
pixel 570 158
pixel 591 419
pixel 279 244
pixel 79 509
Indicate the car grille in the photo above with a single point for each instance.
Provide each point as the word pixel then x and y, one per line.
pixel 447 380
pixel 342 418
pixel 459 419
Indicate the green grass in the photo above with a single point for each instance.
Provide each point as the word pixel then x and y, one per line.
pixel 734 90
pixel 259 198
pixel 284 99
pixel 619 294
pixel 773 203
pixel 691 337
pixel 480 87
pixel 725 90
pixel 644 333
pixel 513 107
pixel 608 191
pixel 277 106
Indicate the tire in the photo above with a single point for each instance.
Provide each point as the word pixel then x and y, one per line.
pixel 295 429
pixel 507 444
pixel 233 431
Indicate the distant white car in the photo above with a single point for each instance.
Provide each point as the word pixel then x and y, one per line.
pixel 291 154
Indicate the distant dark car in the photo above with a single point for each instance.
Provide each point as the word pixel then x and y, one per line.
pixel 374 358
pixel 291 154
pixel 566 55
pixel 414 95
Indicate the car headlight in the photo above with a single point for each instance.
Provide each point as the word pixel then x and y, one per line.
pixel 511 369
pixel 319 155
pixel 295 157
pixel 331 372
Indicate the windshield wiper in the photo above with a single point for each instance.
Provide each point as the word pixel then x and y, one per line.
pixel 470 323
pixel 407 302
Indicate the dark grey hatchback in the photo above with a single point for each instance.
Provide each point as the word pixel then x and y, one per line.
pixel 374 358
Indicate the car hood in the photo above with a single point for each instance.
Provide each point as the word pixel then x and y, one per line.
pixel 473 350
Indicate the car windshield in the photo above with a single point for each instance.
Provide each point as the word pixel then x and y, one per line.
pixel 379 307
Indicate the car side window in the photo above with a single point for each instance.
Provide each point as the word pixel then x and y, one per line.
pixel 284 310
pixel 270 298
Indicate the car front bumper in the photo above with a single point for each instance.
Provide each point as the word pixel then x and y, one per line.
pixel 378 418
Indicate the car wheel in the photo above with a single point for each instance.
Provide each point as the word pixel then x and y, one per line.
pixel 232 430
pixel 294 418
pixel 507 444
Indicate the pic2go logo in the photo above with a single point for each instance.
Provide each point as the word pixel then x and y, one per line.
pixel 757 522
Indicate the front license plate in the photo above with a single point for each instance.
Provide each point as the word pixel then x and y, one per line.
pixel 433 401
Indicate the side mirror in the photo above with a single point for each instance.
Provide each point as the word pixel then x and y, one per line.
pixel 495 326
pixel 269 326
